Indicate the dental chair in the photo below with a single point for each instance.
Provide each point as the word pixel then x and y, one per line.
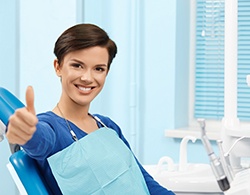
pixel 23 168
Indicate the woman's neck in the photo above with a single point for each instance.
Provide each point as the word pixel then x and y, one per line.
pixel 78 115
pixel 72 111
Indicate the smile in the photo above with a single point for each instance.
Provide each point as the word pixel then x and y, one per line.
pixel 84 88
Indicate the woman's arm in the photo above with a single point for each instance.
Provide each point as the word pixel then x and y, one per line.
pixel 42 142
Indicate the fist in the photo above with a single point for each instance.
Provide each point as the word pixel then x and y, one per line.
pixel 22 124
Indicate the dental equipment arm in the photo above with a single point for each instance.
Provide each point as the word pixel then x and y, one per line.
pixel 225 162
pixel 215 163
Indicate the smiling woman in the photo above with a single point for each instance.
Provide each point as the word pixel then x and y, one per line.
pixel 83 74
pixel 90 149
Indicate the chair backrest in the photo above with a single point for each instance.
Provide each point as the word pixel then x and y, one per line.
pixel 8 104
pixel 28 172
pixel 25 167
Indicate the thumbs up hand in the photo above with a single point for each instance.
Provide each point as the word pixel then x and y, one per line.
pixel 22 124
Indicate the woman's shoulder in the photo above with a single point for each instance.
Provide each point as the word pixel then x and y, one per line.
pixel 112 125
pixel 48 117
pixel 108 122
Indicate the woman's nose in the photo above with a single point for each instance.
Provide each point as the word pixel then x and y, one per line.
pixel 86 76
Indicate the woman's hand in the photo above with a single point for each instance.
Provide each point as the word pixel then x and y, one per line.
pixel 22 124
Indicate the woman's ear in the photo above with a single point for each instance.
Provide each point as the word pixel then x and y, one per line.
pixel 57 68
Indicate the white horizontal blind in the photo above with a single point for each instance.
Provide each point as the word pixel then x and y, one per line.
pixel 209 68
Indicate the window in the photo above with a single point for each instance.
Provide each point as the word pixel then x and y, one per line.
pixel 209 60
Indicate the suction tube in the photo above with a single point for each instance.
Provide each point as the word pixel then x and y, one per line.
pixel 215 163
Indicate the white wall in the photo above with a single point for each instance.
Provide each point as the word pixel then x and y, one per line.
pixel 8 75
pixel 40 25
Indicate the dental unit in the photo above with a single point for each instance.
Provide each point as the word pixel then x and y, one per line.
pixel 232 177
pixel 185 178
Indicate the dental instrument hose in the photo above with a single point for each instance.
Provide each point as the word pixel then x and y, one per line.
pixel 215 163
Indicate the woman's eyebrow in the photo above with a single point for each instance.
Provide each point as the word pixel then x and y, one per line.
pixel 78 61
pixel 101 65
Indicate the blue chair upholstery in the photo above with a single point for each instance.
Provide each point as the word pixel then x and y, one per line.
pixel 27 170
pixel 8 104
pixel 25 167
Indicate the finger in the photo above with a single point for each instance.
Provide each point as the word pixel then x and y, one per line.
pixel 30 100
pixel 16 138
pixel 18 124
pixel 22 115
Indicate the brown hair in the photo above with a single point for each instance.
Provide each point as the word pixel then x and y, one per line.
pixel 82 36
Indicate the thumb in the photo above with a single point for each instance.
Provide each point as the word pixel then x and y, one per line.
pixel 30 100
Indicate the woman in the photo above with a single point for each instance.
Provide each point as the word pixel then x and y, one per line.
pixel 80 153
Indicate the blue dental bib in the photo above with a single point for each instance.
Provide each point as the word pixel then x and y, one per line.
pixel 99 163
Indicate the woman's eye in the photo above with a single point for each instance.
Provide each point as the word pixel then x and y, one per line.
pixel 77 65
pixel 100 69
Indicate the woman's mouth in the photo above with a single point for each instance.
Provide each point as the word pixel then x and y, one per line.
pixel 84 88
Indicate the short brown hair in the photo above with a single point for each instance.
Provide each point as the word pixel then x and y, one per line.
pixel 82 36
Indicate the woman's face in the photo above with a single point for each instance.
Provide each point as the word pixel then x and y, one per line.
pixel 83 74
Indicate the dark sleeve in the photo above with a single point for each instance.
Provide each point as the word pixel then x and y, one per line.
pixel 41 143
pixel 154 187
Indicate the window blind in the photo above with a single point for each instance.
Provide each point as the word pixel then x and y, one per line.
pixel 209 62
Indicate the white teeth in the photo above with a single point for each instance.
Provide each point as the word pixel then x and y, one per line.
pixel 84 89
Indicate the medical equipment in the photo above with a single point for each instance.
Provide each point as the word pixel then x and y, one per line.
pixel 232 180
pixel 215 163
pixel 235 137
pixel 185 178
pixel 235 141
